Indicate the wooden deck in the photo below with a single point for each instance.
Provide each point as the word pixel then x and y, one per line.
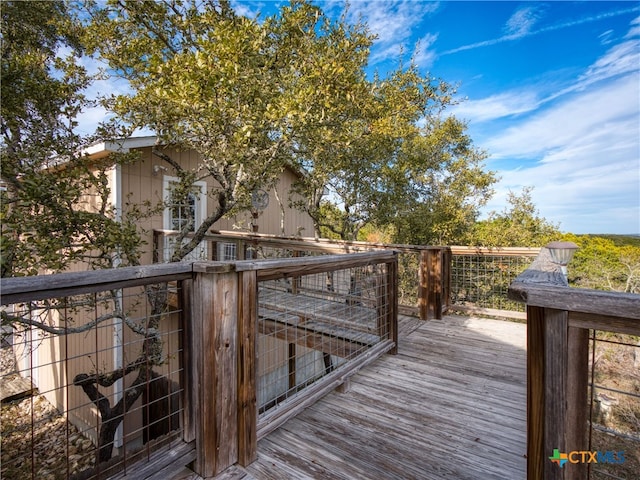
pixel 450 405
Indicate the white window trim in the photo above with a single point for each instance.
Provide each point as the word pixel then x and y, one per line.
pixel 201 252
pixel 201 203
pixel 227 251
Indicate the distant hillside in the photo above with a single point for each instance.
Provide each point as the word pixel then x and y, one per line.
pixel 618 240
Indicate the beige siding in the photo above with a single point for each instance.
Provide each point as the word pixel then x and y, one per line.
pixel 54 361
pixel 141 184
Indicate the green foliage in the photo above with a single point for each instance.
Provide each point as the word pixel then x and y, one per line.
pixel 440 186
pixel 251 98
pixel 518 225
pixel 55 207
pixel 604 264
pixel 397 163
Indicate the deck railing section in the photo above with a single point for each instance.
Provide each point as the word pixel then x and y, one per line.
pixel 431 280
pixel 267 336
pixel 423 271
pixel 316 326
pixel 564 331
pixel 480 279
pixel 197 360
pixel 93 371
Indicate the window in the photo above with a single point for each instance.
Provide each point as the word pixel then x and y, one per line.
pixel 227 251
pixel 184 211
pixel 183 214
pixel 181 211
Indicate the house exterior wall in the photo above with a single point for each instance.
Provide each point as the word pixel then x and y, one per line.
pixel 54 360
pixel 142 181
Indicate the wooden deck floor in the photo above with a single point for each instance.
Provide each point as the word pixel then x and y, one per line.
pixel 450 405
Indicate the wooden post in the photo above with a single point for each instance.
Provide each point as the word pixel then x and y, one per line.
pixel 446 277
pixel 577 437
pixel 247 369
pixel 535 393
pixel 430 284
pixel 296 280
pixel 555 388
pixel 382 297
pixel 241 250
pixel 214 361
pixel 392 303
pixel 187 374
pixel 423 285
pixel 557 374
pixel 435 282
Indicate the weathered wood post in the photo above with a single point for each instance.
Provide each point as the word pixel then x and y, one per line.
pixel 247 367
pixel 430 291
pixel 557 374
pixel 214 357
pixel 391 302
pixel 447 257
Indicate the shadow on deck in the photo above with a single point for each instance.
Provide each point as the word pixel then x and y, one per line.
pixel 450 405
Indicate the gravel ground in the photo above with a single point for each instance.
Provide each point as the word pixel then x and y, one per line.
pixel 58 449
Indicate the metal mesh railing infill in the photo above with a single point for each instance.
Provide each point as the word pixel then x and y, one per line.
pixel 312 325
pixel 91 382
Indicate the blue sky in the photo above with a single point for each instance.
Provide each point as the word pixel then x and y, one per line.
pixel 550 90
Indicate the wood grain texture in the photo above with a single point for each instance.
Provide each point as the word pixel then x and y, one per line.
pixel 215 393
pixel 247 368
pixel 26 289
pixel 451 404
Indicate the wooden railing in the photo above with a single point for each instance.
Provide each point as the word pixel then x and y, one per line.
pixel 97 341
pixel 431 279
pixel 423 271
pixel 221 314
pixel 558 322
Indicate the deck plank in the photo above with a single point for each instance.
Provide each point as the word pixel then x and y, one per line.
pixel 450 405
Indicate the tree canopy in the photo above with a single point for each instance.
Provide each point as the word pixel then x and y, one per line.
pixel 255 97
pixel 519 224
pixel 55 206
pixel 247 96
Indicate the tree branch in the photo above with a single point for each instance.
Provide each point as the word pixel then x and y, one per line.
pixel 178 168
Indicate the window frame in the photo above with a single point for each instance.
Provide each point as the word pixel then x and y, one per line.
pixel 200 204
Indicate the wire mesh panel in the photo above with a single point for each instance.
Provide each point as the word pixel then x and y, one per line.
pixel 483 280
pixel 614 398
pixel 90 382
pixel 311 325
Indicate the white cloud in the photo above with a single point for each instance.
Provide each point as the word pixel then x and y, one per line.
pixel 619 60
pixel 393 22
pixel 423 55
pixel 571 121
pixel 522 21
pixel 525 30
pixel 578 147
pixel 635 28
pixel 497 106
pixel 582 157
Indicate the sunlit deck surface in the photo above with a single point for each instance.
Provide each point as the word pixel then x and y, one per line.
pixel 450 405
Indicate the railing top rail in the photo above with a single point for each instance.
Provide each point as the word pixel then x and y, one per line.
pixel 544 285
pixel 284 267
pixel 498 251
pixel 341 245
pixel 25 289
pixel 310 243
